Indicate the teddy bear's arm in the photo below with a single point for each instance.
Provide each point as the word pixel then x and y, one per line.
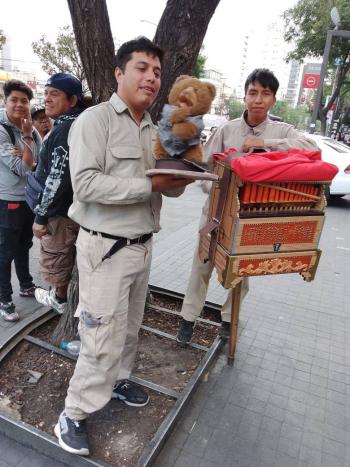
pixel 195 153
pixel 180 114
pixel 158 149
pixel 185 130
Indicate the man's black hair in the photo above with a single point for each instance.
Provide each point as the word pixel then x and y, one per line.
pixel 265 77
pixel 16 85
pixel 140 44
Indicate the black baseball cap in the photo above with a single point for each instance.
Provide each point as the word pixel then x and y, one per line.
pixel 36 108
pixel 66 83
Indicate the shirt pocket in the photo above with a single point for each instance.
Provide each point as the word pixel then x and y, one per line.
pixel 126 161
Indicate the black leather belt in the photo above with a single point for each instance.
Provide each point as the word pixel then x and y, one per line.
pixel 120 242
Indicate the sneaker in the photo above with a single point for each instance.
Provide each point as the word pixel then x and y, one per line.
pixel 72 435
pixel 48 298
pixel 224 332
pixel 7 311
pixel 185 332
pixel 130 393
pixel 29 292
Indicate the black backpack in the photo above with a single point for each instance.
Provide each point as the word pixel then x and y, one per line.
pixel 12 135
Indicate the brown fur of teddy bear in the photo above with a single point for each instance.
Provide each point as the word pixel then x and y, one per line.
pixel 190 97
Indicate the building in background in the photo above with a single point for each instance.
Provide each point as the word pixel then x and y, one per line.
pixel 5 55
pixel 28 78
pixel 263 47
pixel 12 69
pixel 223 91
pixel 292 93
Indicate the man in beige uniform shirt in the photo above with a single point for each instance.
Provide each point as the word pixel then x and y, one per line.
pixel 253 130
pixel 118 209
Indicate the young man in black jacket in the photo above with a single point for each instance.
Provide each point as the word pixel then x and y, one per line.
pixel 63 102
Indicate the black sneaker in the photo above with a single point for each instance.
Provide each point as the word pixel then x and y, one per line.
pixel 72 435
pixel 185 332
pixel 224 332
pixel 130 393
pixel 7 311
pixel 28 292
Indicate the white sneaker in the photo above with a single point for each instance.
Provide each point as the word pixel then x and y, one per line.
pixel 72 435
pixel 7 311
pixel 48 298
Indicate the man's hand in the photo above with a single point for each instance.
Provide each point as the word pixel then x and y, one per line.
pixel 252 142
pixel 17 152
pixel 40 230
pixel 27 125
pixel 168 182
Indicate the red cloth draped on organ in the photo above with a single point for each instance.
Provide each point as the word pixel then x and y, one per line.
pixel 294 165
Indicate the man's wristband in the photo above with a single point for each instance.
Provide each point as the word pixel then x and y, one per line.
pixel 28 137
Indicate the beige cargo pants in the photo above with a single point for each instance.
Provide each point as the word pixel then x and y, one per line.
pixel 197 290
pixel 112 298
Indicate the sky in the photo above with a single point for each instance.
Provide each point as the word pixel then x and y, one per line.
pixel 25 22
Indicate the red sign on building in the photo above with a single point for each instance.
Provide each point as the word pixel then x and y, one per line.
pixel 32 84
pixel 311 80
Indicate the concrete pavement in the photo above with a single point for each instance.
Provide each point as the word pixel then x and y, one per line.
pixel 286 401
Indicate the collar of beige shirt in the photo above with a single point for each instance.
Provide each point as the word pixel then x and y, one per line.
pixel 258 129
pixel 119 106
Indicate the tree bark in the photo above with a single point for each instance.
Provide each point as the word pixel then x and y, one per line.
pixel 180 34
pixel 95 44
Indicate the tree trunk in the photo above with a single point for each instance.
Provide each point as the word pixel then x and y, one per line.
pixel 95 44
pixel 323 120
pixel 340 78
pixel 67 327
pixel 180 34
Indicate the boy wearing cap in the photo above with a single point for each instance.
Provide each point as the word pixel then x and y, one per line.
pixel 118 208
pixel 41 121
pixel 58 233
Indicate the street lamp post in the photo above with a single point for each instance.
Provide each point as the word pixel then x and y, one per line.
pixel 330 35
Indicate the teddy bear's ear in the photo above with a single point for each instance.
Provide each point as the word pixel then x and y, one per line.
pixel 212 89
pixel 181 77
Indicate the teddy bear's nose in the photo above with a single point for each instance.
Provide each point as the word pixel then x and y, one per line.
pixel 187 91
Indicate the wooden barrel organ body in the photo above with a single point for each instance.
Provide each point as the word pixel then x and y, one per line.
pixel 263 228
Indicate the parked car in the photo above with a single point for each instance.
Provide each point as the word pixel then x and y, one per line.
pixel 211 123
pixel 206 133
pixel 338 154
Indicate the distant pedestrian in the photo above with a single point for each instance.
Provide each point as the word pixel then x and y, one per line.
pixel 338 136
pixel 41 121
pixel 18 153
pixel 347 138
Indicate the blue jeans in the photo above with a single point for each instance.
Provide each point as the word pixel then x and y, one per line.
pixel 16 235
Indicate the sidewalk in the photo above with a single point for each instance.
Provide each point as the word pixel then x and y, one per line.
pixel 286 401
pixel 28 308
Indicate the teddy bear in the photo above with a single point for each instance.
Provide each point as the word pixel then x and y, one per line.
pixel 181 121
